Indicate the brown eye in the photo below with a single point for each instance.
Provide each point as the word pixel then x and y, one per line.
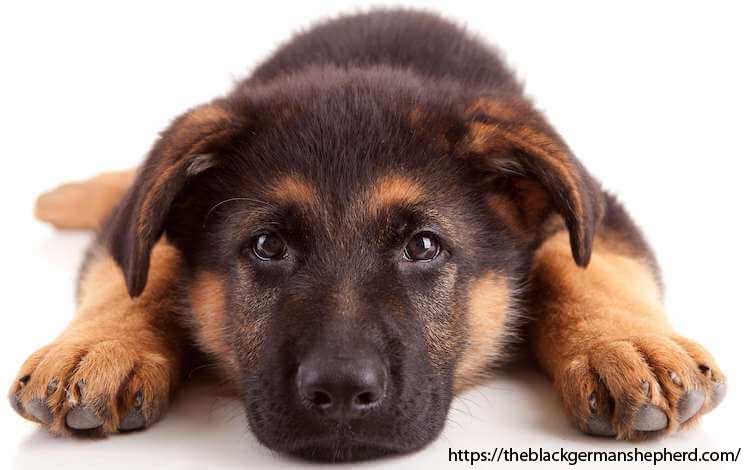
pixel 268 246
pixel 422 247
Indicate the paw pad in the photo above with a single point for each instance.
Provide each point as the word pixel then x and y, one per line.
pixel 38 409
pixel 82 418
pixel 650 418
pixel 690 403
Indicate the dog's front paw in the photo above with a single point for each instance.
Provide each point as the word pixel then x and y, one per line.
pixel 99 387
pixel 640 387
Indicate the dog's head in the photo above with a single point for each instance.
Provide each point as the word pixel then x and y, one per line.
pixel 354 245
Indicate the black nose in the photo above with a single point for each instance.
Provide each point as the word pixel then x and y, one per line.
pixel 339 387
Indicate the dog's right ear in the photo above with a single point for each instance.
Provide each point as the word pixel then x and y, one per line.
pixel 188 147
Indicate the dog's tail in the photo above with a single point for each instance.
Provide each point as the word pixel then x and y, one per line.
pixel 83 205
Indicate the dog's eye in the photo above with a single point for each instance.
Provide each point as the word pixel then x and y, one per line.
pixel 422 247
pixel 268 246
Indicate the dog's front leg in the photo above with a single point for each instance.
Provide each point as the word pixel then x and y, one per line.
pixel 602 335
pixel 117 364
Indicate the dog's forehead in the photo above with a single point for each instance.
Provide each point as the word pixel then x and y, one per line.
pixel 353 125
pixel 346 156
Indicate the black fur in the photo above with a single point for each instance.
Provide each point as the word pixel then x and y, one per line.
pixel 342 106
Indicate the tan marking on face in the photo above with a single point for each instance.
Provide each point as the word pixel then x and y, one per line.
pixel 391 190
pixel 207 299
pixel 489 301
pixel 397 190
pixel 293 189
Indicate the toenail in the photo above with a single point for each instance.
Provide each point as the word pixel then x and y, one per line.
pixel 138 399
pixel 592 403
pixel 675 378
pixel 52 386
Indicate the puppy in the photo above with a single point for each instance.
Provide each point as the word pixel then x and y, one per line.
pixel 351 237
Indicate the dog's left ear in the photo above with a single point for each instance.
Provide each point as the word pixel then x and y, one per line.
pixel 513 143
pixel 188 147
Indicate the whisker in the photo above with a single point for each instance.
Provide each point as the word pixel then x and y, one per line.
pixel 218 204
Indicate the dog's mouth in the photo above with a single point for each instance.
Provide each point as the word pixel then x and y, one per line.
pixel 343 450
pixel 341 442
pixel 345 446
pixel 338 444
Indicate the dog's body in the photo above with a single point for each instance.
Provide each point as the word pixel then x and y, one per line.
pixel 353 235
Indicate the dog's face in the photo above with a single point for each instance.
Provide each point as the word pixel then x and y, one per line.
pixel 353 249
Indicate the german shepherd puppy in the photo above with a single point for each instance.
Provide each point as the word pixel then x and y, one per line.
pixel 352 237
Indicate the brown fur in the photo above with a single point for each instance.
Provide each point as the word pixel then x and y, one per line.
pixel 294 190
pixel 183 150
pixel 332 122
pixel 602 332
pixel 207 303
pixel 489 299
pixel 510 109
pixel 602 324
pixel 525 208
pixel 509 138
pixel 83 205
pixel 114 350
pixel 392 190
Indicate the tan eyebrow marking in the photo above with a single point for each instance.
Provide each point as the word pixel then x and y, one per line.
pixel 293 189
pixel 392 189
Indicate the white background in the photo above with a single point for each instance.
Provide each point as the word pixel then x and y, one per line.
pixel 652 96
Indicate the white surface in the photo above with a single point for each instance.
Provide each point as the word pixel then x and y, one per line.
pixel 653 97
